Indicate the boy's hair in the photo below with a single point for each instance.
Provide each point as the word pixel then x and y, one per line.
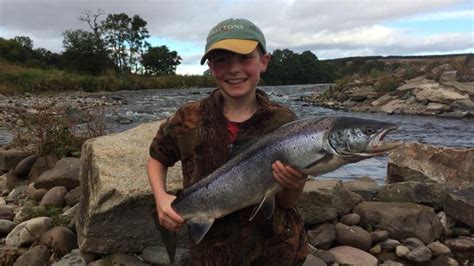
pixel 236 35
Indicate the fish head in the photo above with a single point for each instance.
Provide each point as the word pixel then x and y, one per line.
pixel 355 139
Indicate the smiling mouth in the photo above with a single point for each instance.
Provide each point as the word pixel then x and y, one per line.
pixel 235 81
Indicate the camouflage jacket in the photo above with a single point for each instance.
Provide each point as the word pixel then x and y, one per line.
pixel 197 135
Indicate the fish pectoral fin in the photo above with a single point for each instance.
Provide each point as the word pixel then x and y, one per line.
pixel 198 229
pixel 169 240
pixel 266 205
pixel 311 168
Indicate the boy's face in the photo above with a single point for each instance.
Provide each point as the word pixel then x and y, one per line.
pixel 237 75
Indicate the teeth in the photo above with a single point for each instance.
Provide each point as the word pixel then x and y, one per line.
pixel 235 81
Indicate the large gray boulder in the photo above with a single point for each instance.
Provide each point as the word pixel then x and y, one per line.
pixel 419 162
pixel 460 205
pixel 426 193
pixel 117 211
pixel 316 204
pixel 401 219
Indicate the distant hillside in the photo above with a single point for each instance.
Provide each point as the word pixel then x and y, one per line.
pixel 370 67
pixel 395 58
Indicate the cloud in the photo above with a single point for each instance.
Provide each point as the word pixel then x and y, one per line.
pixel 447 15
pixel 327 27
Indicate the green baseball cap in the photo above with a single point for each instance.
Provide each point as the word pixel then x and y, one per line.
pixel 236 35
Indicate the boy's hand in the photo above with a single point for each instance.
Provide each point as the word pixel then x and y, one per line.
pixel 166 215
pixel 288 177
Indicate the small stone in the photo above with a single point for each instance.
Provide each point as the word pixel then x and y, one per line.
pixel 413 243
pixel 6 212
pixel 117 259
pixel 61 239
pixel 438 248
pixel 54 197
pixel 353 236
pixel 444 261
pixel 24 166
pixel 28 231
pixel 16 194
pixel 73 258
pixel 30 190
pixel 39 194
pixel 73 196
pixel 322 236
pixel 312 260
pixel 402 251
pixel 391 263
pixel 385 256
pixel 326 256
pixel 6 226
pixel 389 244
pixel 350 219
pixel 419 254
pixel 348 255
pixel 376 249
pixel 379 235
pixel 36 256
pixel 447 223
pixel 462 243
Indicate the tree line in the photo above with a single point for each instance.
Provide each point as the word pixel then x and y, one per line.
pixel 118 43
pixel 114 42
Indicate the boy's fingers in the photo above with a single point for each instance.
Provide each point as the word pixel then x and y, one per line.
pixel 284 181
pixel 175 217
pixel 294 172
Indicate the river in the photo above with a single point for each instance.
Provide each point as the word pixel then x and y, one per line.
pixel 150 105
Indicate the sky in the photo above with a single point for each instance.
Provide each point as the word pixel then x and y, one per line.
pixel 328 28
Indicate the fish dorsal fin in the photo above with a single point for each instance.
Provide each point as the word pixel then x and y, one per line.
pixel 266 205
pixel 198 229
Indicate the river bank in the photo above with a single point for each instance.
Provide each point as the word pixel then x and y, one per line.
pixel 440 91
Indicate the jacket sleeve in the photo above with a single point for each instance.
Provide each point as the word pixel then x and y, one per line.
pixel 164 146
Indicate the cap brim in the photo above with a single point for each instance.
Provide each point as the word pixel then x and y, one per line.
pixel 234 45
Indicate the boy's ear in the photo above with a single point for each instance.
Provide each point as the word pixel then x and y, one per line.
pixel 264 62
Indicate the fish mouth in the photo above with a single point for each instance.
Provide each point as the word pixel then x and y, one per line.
pixel 377 146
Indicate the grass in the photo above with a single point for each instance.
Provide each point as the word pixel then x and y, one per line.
pixel 19 79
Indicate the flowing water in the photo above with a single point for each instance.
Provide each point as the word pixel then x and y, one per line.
pixel 150 105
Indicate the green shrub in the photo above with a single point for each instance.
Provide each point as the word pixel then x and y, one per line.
pixel 55 129
pixel 387 83
pixel 52 212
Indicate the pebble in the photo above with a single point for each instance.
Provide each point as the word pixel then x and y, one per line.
pixel 402 251
pixel 419 254
pixel 350 219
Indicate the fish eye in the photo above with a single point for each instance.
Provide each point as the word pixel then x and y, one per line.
pixel 370 130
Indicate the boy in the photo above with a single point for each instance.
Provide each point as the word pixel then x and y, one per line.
pixel 206 133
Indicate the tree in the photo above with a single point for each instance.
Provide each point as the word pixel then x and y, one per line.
pixel 160 61
pixel 84 53
pixel 24 41
pixel 287 67
pixel 125 37
pixel 18 49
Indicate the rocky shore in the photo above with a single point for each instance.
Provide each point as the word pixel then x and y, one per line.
pixel 441 91
pixel 98 209
pixel 14 107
